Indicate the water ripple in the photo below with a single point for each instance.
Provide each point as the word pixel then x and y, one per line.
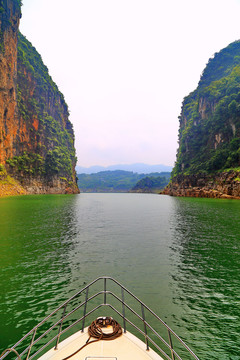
pixel 180 256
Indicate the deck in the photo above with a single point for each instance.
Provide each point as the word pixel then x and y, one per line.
pixel 125 347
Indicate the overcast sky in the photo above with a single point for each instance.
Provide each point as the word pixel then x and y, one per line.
pixel 124 67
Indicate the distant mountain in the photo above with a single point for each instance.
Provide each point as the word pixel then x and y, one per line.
pixel 90 170
pixel 136 168
pixel 114 181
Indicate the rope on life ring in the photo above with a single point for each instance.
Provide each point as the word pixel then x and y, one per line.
pixel 95 331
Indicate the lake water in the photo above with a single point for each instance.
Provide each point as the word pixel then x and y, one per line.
pixel 181 256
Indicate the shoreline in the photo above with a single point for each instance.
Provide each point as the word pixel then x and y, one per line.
pixel 224 185
pixel 196 193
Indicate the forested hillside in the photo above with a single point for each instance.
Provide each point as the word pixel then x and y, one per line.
pixel 208 157
pixel 113 181
pixel 152 184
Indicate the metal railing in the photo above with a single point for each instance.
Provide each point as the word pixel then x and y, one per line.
pixel 163 346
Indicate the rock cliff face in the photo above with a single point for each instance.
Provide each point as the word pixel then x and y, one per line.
pixel 9 21
pixel 208 157
pixel 36 136
pixel 225 185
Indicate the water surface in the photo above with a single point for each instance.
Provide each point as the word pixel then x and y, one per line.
pixel 181 256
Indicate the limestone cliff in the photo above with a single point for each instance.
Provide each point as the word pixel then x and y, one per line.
pixel 36 136
pixel 225 185
pixel 208 157
pixel 9 21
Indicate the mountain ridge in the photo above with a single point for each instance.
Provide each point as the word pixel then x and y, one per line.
pixel 139 168
pixel 122 181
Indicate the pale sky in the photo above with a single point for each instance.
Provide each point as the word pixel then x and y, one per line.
pixel 124 67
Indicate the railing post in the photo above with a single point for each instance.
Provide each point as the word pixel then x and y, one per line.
pixel 60 327
pixel 105 289
pixel 145 327
pixel 123 311
pixel 30 346
pixel 171 345
pixel 85 308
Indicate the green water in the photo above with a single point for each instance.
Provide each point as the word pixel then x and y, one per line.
pixel 181 256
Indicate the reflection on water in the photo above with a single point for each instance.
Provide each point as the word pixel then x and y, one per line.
pixel 180 256
pixel 36 234
pixel 207 274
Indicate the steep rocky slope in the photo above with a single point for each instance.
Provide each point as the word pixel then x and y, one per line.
pixel 36 136
pixel 208 158
pixel 9 21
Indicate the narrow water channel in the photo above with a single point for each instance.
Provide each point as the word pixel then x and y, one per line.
pixel 181 256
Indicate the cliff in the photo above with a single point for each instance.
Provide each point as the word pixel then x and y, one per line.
pixel 9 21
pixel 36 137
pixel 208 157
pixel 225 185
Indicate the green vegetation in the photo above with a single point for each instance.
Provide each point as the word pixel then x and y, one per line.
pixel 232 169
pixel 19 2
pixel 29 59
pixel 209 135
pixel 4 15
pixel 112 181
pixel 5 179
pixel 16 3
pixel 27 164
pixel 151 184
pixel 52 135
pixel 3 172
